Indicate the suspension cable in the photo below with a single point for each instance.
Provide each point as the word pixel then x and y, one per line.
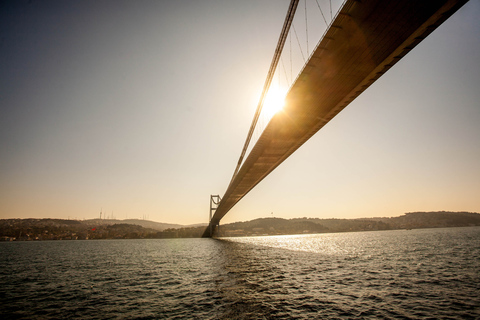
pixel 306 23
pixel 286 76
pixel 298 41
pixel 291 64
pixel 331 17
pixel 322 11
pixel 271 72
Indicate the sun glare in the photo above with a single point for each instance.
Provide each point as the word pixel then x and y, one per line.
pixel 274 101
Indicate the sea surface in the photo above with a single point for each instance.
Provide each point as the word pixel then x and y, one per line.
pixel 404 274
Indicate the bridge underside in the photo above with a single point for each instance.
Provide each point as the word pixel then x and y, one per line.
pixel 363 42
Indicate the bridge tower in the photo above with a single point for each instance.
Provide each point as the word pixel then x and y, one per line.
pixel 214 202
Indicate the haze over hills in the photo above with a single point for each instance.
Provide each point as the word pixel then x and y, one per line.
pixel 160 226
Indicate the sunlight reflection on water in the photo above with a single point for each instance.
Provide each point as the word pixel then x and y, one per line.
pixel 392 274
pixel 337 243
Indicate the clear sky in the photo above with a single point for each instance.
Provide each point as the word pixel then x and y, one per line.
pixel 141 108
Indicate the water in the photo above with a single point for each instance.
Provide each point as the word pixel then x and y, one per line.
pixel 407 274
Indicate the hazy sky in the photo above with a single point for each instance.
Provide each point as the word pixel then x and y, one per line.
pixel 140 109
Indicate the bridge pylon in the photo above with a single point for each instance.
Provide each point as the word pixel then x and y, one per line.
pixel 212 228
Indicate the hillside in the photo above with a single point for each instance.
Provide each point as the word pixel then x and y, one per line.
pixel 58 229
pixel 411 220
pixel 138 222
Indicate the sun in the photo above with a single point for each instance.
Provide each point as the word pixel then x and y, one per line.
pixel 274 101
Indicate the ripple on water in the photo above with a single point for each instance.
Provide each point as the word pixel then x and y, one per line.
pixel 396 274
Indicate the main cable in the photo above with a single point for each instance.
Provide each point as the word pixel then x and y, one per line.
pixel 271 72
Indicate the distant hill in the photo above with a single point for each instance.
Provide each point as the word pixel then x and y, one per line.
pixel 411 220
pixel 436 219
pixel 59 229
pixel 271 226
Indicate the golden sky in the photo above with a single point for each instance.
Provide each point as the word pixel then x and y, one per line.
pixel 140 109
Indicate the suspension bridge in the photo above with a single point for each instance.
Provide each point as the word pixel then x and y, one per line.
pixel 362 42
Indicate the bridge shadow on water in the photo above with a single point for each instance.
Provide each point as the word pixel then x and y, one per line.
pixel 356 275
pixel 259 282
pixel 255 282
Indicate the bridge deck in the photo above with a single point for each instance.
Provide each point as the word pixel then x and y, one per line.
pixel 365 40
